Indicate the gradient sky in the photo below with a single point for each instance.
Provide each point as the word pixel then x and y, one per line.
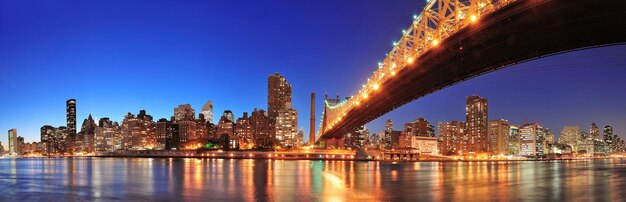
pixel 116 57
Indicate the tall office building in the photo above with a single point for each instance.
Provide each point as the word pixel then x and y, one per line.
pixel 70 107
pixel 13 148
pixel 570 135
pixel 499 136
pixel 477 122
pixel 278 95
pixel 453 137
pixel 594 131
pixel 532 139
pixel 312 120
pixel 286 127
pixel 207 110
pixel 387 142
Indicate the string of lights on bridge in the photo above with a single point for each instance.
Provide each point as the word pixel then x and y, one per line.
pixel 438 20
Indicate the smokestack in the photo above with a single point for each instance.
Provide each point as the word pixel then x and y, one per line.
pixel 312 126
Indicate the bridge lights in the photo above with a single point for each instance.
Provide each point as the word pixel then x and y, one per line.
pixel 393 73
pixel 365 96
pixel 409 60
pixel 473 18
pixel 435 42
pixel 376 86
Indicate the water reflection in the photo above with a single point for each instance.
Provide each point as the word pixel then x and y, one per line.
pixel 194 179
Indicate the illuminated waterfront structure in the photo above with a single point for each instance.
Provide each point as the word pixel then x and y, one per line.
pixel 453 137
pixel 108 136
pixel 425 144
pixel 138 131
pixel 260 128
pixel 226 130
pixel 570 135
pixel 514 140
pixel 476 120
pixel 532 138
pixel 287 126
pixel 278 96
pixel 499 136
pixel 244 132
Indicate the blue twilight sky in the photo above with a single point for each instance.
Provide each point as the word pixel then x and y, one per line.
pixel 119 56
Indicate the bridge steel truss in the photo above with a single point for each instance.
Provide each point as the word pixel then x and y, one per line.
pixel 444 27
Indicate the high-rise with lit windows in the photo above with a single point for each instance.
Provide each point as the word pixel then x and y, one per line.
pixel 477 122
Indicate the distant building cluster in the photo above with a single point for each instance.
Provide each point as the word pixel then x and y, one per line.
pixel 17 146
pixel 275 128
pixel 480 135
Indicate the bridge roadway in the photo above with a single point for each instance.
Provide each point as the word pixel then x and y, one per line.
pixel 522 31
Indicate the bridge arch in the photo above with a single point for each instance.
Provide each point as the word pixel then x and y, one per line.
pixel 455 40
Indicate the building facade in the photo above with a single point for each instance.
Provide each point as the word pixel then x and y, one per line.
pixel 476 120
pixel 13 147
pixel 532 139
pixel 207 111
pixel 499 136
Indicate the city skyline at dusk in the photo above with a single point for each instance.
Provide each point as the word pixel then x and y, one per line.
pixel 351 100
pixel 118 60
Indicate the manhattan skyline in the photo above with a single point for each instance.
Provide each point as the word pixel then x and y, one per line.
pixel 114 67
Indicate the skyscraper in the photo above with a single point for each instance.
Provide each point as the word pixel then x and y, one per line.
pixel 594 132
pixel 388 130
pixel 532 139
pixel 278 95
pixel 287 127
pixel 499 136
pixel 70 107
pixel 514 140
pixel 453 138
pixel 13 141
pixel 477 121
pixel 207 110
pixel 570 135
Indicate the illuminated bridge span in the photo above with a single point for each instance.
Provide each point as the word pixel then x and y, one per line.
pixel 453 40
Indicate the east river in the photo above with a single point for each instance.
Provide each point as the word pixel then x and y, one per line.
pixel 191 179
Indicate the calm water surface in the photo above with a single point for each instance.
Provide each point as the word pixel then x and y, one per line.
pixel 163 179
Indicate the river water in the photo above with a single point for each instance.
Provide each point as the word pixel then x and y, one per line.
pixel 190 179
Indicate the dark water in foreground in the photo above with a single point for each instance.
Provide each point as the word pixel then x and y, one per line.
pixel 163 179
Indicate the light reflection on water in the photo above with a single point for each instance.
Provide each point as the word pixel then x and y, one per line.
pixel 190 179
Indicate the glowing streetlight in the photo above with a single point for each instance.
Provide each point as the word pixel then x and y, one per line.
pixel 435 42
pixel 473 18
pixel 376 86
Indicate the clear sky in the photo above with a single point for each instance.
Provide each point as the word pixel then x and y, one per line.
pixel 116 57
